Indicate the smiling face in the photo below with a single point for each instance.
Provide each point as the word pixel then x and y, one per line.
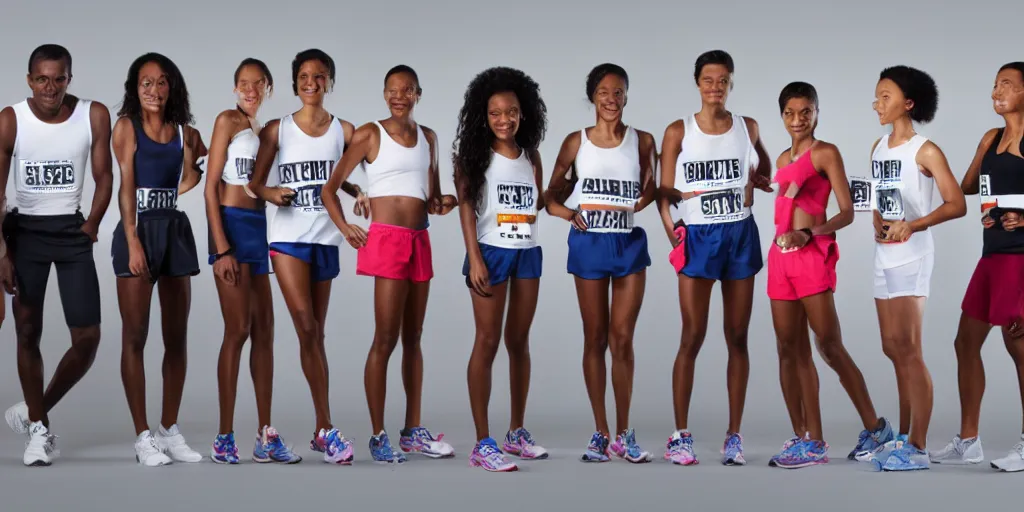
pixel 49 81
pixel 312 82
pixel 401 92
pixel 503 115
pixel 800 117
pixel 1008 92
pixel 251 89
pixel 714 83
pixel 610 97
pixel 890 103
pixel 154 87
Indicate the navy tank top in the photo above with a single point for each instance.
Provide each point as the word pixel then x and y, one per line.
pixel 158 169
pixel 1002 174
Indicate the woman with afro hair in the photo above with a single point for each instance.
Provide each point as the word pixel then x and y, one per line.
pixel 612 165
pixel 994 294
pixel 498 176
pixel 905 168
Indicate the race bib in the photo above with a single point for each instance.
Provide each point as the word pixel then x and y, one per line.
pixel 719 206
pixel 148 199
pixel 516 211
pixel 985 191
pixel 708 175
pixel 604 220
pixel 889 201
pixel 307 180
pixel 609 192
pixel 244 168
pixel 862 191
pixel 46 177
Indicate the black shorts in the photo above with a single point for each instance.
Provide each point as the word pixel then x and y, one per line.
pixel 167 240
pixel 37 241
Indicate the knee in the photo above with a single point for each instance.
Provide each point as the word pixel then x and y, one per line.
pixel 411 340
pixel 621 344
pixel 87 345
pixel 736 340
pixel 595 345
pixel 384 342
pixel 788 352
pixel 133 337
pixel 308 329
pixel 517 345
pixel 235 333
pixel 830 349
pixel 691 343
pixel 966 348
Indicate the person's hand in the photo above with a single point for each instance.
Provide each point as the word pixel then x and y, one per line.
pixel 362 206
pixel 92 230
pixel 1010 220
pixel 137 259
pixel 479 279
pixel 986 221
pixel 7 275
pixel 761 182
pixel 678 232
pixel 673 196
pixel 793 240
pixel 281 196
pixel 448 203
pixel 748 195
pixel 226 269
pixel 354 235
pixel 578 221
pixel 1016 329
pixel 898 231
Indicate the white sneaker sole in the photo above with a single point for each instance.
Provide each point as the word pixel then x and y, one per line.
pixel 15 421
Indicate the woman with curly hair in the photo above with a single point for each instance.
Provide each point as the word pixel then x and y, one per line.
pixel 400 159
pixel 612 166
pixel 905 250
pixel 498 176
pixel 158 153
pixel 994 294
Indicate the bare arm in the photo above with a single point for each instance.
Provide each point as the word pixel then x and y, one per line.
pixel 224 128
pixel 433 173
pixel 124 151
pixel 558 182
pixel 648 164
pixel 192 174
pixel 831 161
pixel 764 163
pixel 101 162
pixel 971 181
pixel 362 141
pixel 671 146
pixel 264 159
pixel 954 205
pixel 538 176
pixel 349 188
pixel 467 218
pixel 8 134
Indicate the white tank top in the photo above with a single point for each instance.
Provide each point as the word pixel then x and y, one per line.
pixel 607 177
pixel 902 192
pixel 399 170
pixel 507 211
pixel 717 166
pixel 50 161
pixel 303 164
pixel 241 158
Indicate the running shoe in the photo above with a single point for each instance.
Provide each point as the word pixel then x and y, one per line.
pixel 224 450
pixel 337 449
pixel 869 440
pixel 906 458
pixel 882 452
pixel 17 418
pixel 597 451
pixel 147 453
pixel 486 455
pixel 625 447
pixel 803 454
pixel 173 444
pixel 1013 461
pixel 381 450
pixel 420 440
pixel 41 448
pixel 520 443
pixel 786 446
pixel 959 451
pixel 270 447
pixel 679 449
pixel 732 450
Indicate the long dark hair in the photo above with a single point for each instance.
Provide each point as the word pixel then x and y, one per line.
pixel 177 111
pixel 471 151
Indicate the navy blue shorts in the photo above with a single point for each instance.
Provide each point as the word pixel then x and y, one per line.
pixel 246 231
pixel 730 251
pixel 168 243
pixel 504 264
pixel 324 260
pixel 601 255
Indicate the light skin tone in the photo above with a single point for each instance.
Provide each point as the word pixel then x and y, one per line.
pixel 48 80
pixel 399 305
pixel 1008 102
pixel 900 319
pixel 134 293
pixel 714 84
pixel 246 301
pixel 307 300
pixel 503 117
pixel 608 321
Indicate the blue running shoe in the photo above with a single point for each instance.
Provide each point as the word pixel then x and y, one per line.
pixel 625 447
pixel 224 450
pixel 869 441
pixel 381 450
pixel 597 451
pixel 881 453
pixel 271 448
pixel 906 458
pixel 803 454
pixel 785 447
pixel 732 450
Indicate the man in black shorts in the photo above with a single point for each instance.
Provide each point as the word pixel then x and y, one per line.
pixel 51 138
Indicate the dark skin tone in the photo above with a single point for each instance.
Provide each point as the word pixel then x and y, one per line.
pixel 798 375
pixel 901 318
pixel 504 115
pixel 307 300
pixel 135 293
pixel 399 306
pixel 714 84
pixel 48 81
pixel 1008 101
pixel 606 326
pixel 245 299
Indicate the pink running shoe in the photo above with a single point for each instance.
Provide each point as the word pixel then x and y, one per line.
pixel 680 449
pixel 520 443
pixel 487 455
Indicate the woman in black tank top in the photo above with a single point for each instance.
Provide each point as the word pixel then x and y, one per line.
pixel 995 295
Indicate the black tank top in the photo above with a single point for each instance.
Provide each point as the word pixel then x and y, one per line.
pixel 1005 175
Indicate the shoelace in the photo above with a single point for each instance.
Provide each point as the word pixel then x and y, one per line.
pixel 1019 448
pixel 524 436
pixel 423 435
pixel 733 444
pixel 678 446
pixel 490 454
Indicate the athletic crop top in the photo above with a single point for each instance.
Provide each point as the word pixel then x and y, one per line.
pixel 717 166
pixel 902 192
pixel 50 160
pixel 1001 174
pixel 507 209
pixel 608 184
pixel 241 158
pixel 811 198
pixel 158 169
pixel 303 164
pixel 399 170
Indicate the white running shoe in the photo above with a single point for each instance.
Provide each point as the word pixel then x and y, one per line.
pixel 171 442
pixel 41 448
pixel 147 453
pixel 1014 461
pixel 959 451
pixel 17 418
